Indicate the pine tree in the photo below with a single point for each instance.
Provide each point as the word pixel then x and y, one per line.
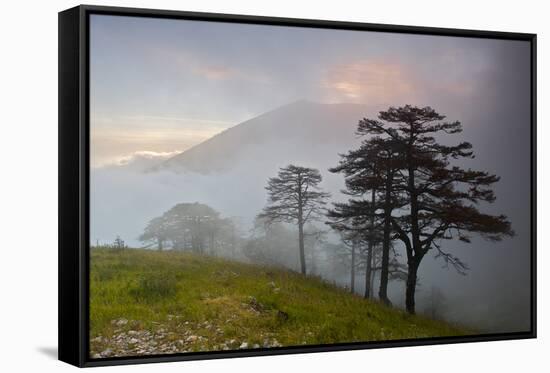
pixel 369 172
pixel 294 196
pixel 441 200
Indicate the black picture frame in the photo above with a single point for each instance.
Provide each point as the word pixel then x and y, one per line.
pixel 74 190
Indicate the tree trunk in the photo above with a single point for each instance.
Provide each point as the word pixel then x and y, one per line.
pixel 212 244
pixel 301 228
pixel 200 238
pixel 370 248
pixel 352 282
pixel 411 285
pixel 416 255
pixel 301 243
pixel 368 273
pixel 372 279
pixel 313 261
pixel 384 272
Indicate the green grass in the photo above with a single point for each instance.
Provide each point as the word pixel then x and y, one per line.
pixel 226 302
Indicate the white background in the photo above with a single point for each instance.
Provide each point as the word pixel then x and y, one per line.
pixel 28 195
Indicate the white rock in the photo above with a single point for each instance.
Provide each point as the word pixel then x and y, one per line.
pixel 243 345
pixel 191 338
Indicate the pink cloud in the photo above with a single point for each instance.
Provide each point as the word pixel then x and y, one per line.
pixel 215 72
pixel 370 81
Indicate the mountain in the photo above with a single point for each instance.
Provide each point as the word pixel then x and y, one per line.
pixel 228 172
pixel 303 132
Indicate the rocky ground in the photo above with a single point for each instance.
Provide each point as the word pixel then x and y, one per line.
pixel 174 336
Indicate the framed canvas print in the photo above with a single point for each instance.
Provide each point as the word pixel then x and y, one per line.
pixel 238 186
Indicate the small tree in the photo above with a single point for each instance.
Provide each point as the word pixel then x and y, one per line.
pixel 351 241
pixel 119 243
pixel 194 225
pixel 436 303
pixel 271 244
pixel 197 221
pixel 314 238
pixel 155 231
pixel 231 235
pixel 294 196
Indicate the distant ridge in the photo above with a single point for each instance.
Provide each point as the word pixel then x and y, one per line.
pixel 300 131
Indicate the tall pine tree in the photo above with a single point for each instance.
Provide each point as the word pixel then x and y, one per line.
pixel 294 196
pixel 369 172
pixel 441 199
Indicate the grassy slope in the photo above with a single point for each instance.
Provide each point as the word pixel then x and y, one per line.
pixel 226 303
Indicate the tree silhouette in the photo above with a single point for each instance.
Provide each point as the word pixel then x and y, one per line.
pixel 314 239
pixel 349 253
pixel 192 225
pixel 294 196
pixel 369 172
pixel 271 244
pixel 195 221
pixel 155 231
pixel 441 200
pixel 119 243
pixel 436 303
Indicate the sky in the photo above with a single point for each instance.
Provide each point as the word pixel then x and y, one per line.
pixel 162 86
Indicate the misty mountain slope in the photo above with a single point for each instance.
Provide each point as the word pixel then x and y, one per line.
pixel 302 131
pixel 228 171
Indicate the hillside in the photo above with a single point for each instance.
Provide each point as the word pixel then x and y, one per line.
pixel 146 302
